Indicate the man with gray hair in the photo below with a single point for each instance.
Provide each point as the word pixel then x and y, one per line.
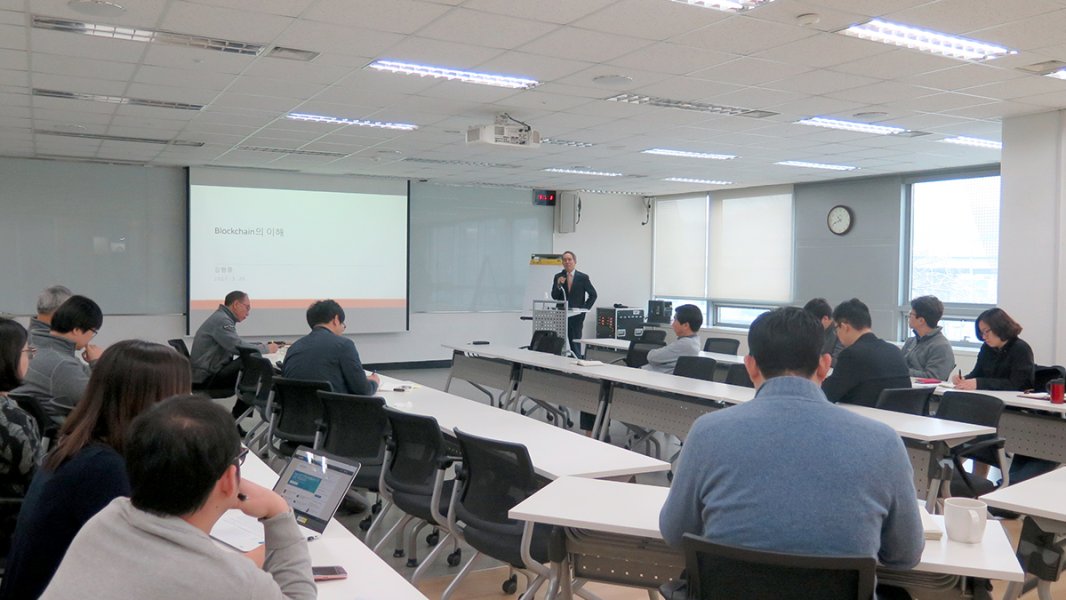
pixel 47 303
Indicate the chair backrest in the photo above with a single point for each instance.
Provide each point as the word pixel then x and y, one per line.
pixel 355 427
pixel 722 345
pixel 1042 375
pixel 720 572
pixel 637 355
pixel 695 367
pixel 416 446
pixel 179 345
pixel 653 336
pixel 738 375
pixel 548 342
pixel 251 374
pixel 913 401
pixel 298 409
pixel 496 475
pixel 968 407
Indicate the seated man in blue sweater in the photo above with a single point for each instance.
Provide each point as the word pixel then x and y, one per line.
pixel 687 322
pixel 791 472
pixel 326 355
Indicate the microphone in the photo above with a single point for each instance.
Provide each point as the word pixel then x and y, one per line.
pixel 561 280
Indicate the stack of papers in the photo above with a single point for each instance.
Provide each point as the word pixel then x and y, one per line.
pixel 930 528
pixel 1036 395
pixel 587 363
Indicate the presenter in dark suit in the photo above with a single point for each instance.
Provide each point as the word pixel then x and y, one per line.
pixel 576 288
pixel 867 364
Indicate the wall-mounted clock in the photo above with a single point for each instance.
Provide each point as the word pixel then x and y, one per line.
pixel 839 219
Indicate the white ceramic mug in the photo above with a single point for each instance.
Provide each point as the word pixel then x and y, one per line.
pixel 964 519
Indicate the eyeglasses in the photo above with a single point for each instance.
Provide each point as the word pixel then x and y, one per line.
pixel 241 456
pixel 95 331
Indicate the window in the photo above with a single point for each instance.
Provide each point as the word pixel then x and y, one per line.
pixel 680 247
pixel 737 316
pixel 954 249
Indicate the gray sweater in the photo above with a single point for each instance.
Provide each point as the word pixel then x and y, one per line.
pixel 56 377
pixel 791 472
pixel 124 552
pixel 929 355
pixel 664 359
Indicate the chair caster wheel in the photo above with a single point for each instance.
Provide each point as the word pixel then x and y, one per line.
pixel 364 525
pixel 398 553
pixel 455 557
pixel 376 508
pixel 551 418
pixel 511 585
pixel 433 538
pixel 669 475
pixel 569 424
pixel 412 563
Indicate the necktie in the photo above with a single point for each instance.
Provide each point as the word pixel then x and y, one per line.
pixel 569 280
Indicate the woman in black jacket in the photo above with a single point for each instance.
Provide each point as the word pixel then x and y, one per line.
pixel 1005 361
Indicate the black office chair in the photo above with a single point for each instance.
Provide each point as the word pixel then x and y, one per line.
pixel 1042 375
pixel 721 572
pixel 412 480
pixel 912 401
pixel 637 355
pixel 738 375
pixel 354 427
pixel 696 367
pixel 253 389
pixel 179 345
pixel 653 336
pixel 545 341
pixel 722 345
pixel 296 415
pixel 976 409
pixel 494 477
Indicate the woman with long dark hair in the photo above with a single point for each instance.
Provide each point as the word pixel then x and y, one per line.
pixel 20 439
pixel 86 469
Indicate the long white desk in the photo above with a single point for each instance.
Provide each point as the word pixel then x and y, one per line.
pixel 628 510
pixel 1031 427
pixel 1040 549
pixel 618 347
pixel 369 577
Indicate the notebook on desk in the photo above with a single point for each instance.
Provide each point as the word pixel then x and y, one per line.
pixel 313 483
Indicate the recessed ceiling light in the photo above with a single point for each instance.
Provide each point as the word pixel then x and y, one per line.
pixel 870 115
pixel 460 163
pixel 687 154
pixel 97 8
pixel 1043 68
pixel 933 42
pixel 292 54
pixel 725 5
pixel 813 165
pixel 850 126
pixel 573 143
pixel 1060 74
pixel 157 36
pixel 613 80
pixel 584 172
pixel 505 81
pixel 717 109
pixel 120 138
pixel 115 99
pixel 343 121
pixel 703 181
pixel 975 142
pixel 292 151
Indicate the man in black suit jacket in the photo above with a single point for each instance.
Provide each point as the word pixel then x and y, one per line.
pixel 867 364
pixel 576 288
pixel 326 355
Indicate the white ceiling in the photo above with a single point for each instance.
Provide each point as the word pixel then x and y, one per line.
pixel 762 59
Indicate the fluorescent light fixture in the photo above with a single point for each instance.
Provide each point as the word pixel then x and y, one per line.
pixel 1060 74
pixel 292 151
pixel 119 138
pixel 975 142
pixel 115 99
pixel 718 109
pixel 851 126
pixel 343 121
pixel 733 6
pixel 612 192
pixel 135 34
pixel 571 143
pixel 505 81
pixel 687 154
pixel 812 165
pixel 583 172
pixel 460 163
pixel 703 181
pixel 924 40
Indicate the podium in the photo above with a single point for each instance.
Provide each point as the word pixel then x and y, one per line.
pixel 551 315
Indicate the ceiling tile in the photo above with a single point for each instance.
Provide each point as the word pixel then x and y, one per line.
pixel 338 39
pixel 225 23
pixel 959 17
pixel 551 11
pixel 582 44
pixel 650 20
pixel 396 16
pixel 497 31
pixel 750 71
pixel 741 35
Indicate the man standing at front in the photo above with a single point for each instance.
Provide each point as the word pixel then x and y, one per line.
pixel 326 355
pixel 868 364
pixel 791 472
pixel 576 288
pixel 214 349
pixel 183 457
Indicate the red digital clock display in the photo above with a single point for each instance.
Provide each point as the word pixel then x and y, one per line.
pixel 544 197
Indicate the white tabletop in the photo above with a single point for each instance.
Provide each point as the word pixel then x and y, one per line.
pixel 623 345
pixel 1011 398
pixel 369 577
pixel 1041 496
pixel 922 429
pixel 555 452
pixel 633 509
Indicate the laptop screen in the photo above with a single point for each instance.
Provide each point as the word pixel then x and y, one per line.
pixel 314 484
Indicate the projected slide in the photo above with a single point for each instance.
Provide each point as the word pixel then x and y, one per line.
pixel 288 247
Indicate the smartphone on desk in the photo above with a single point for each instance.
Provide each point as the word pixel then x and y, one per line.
pixel 328 573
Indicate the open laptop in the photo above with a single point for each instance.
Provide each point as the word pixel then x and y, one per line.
pixel 313 483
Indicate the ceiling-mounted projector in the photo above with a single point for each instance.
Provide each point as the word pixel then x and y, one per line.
pixel 507 131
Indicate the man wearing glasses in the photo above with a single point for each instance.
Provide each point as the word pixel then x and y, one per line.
pixel 214 349
pixel 56 378
pixel 183 457
pixel 326 355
